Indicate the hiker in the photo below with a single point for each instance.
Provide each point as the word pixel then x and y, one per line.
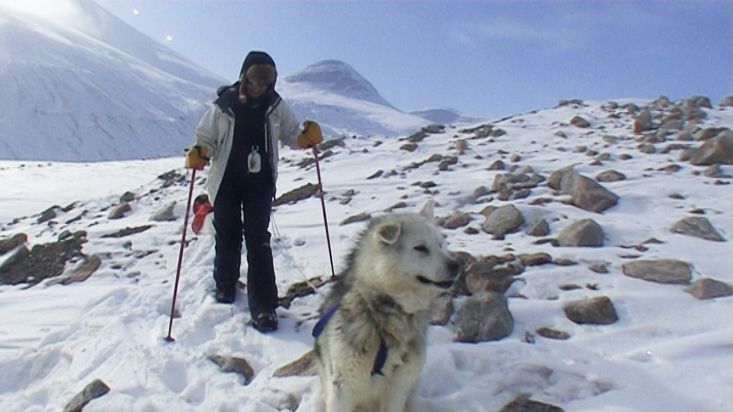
pixel 239 136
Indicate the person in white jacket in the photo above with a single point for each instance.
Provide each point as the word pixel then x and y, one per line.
pixel 239 136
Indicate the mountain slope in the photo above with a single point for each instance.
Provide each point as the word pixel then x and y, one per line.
pixel 56 338
pixel 92 88
pixel 344 102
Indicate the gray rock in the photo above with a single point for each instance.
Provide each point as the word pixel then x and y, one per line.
pixel 306 365
pixel 716 172
pixel 503 220
pixel 706 288
pixel 9 243
pixel 550 333
pixel 643 122
pixel 578 121
pixel 234 365
pixel 484 317
pixel 535 259
pixel 666 271
pixel 127 197
pixel 522 403
pixel 296 195
pixel 610 176
pixel 718 150
pixel 697 226
pixel 456 220
pixel 361 217
pixel 92 391
pixel 581 233
pixel 119 211
pixel 587 194
pixel 538 228
pixel 595 311
pixel 442 310
pixel 726 101
pixel 164 214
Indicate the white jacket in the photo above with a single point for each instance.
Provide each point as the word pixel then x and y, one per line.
pixel 215 132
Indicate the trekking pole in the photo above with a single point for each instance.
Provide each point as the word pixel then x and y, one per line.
pixel 323 206
pixel 169 338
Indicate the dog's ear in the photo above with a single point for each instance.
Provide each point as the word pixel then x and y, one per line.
pixel 427 210
pixel 388 233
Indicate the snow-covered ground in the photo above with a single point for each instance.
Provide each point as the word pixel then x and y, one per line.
pixel 668 352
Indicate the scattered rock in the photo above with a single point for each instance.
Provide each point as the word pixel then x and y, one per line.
pixel 47 214
pixel 442 310
pixel 535 259
pixel 610 176
pixel 409 147
pixel 538 228
pixel 581 233
pixel 550 333
pixel 484 317
pixel 235 365
pixel 119 211
pixel 127 197
pixel 456 220
pixel 643 122
pixel 578 121
pixel 306 365
pixel 595 311
pixel 296 195
pixel 164 214
pixel 44 261
pixel 90 392
pixel 667 271
pixel 9 243
pixel 522 403
pixel 697 226
pixel 599 267
pixel 361 217
pixel 503 220
pixel 89 265
pixel 706 288
pixel 127 231
pixel 718 150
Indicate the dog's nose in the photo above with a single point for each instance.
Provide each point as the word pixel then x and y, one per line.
pixel 453 267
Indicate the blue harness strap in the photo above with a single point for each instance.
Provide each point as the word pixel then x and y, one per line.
pixel 321 324
pixel 382 353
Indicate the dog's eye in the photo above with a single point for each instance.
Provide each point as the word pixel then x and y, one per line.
pixel 422 249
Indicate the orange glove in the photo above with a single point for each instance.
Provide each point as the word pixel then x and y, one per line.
pixel 311 135
pixel 196 158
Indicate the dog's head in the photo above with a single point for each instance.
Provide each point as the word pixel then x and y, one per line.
pixel 408 251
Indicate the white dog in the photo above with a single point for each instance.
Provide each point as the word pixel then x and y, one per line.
pixel 371 340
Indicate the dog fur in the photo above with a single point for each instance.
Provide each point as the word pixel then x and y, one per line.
pixel 397 268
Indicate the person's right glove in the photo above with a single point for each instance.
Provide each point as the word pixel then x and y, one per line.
pixel 196 158
pixel 311 135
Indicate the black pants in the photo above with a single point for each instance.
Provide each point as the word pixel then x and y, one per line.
pixel 244 205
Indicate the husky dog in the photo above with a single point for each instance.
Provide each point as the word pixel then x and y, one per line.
pixel 371 340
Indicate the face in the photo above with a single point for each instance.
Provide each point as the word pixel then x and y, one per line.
pixel 254 90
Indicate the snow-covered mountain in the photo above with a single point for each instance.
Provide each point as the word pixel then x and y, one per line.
pixel 653 341
pixel 344 102
pixel 80 84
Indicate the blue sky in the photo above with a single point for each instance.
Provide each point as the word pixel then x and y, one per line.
pixel 483 58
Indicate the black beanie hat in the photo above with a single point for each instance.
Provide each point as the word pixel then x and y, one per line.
pixel 259 58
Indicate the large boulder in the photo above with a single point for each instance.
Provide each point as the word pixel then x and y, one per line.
pixel 503 220
pixel 484 317
pixel 581 233
pixel 668 271
pixel 697 226
pixel 718 150
pixel 595 311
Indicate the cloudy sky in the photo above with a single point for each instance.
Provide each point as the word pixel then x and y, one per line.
pixel 483 58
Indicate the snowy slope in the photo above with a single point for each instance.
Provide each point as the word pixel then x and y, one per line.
pixel 80 84
pixel 668 351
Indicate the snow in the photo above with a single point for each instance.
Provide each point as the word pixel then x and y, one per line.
pixel 668 351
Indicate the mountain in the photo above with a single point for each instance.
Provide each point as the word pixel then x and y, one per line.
pixel 621 310
pixel 444 116
pixel 80 84
pixel 344 102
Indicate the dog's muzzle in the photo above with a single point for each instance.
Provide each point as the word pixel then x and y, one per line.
pixel 453 269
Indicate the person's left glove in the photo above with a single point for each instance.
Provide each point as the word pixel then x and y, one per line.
pixel 196 158
pixel 311 135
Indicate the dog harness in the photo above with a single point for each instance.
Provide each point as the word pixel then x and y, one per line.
pixel 381 353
